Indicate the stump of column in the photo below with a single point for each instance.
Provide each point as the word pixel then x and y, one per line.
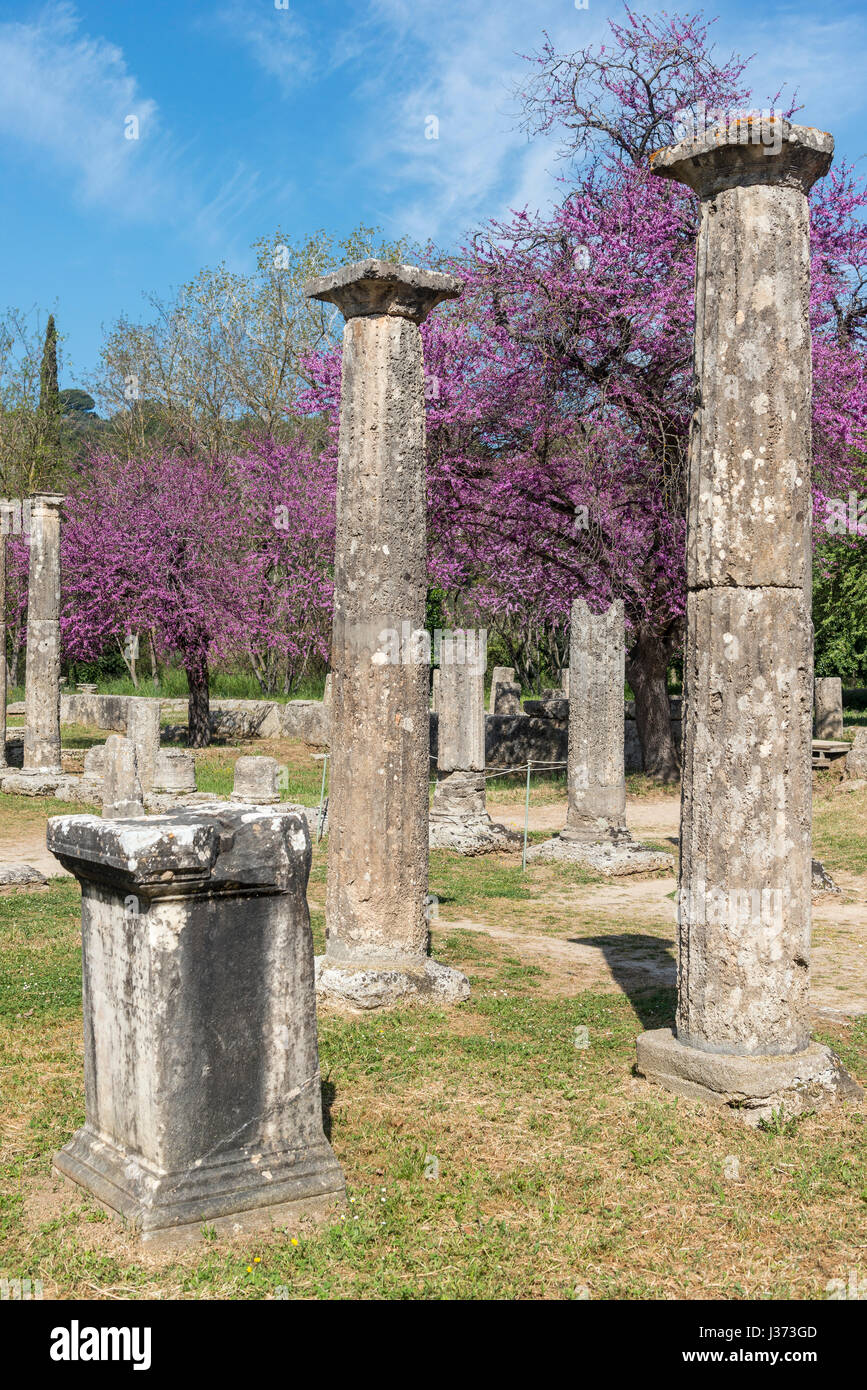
pixel 828 707
pixel 202 1087
pixel 596 835
pixel 459 819
pixel 121 788
pixel 42 672
pixel 742 1032
pixel 376 922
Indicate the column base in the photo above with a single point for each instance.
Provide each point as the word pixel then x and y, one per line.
pixel 755 1088
pixel 236 1190
pixel 611 858
pixel 471 834
pixel 360 985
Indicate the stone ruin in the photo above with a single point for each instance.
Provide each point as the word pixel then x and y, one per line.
pixel 202 1085
pixel 742 1031
pixel 596 835
pixel 459 819
pixel 377 890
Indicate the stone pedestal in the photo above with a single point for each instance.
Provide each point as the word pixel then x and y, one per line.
pixel 595 835
pixel 121 789
pixel 742 1033
pixel 255 781
pixel 459 819
pixel 376 929
pixel 202 1086
pixel 828 707
pixel 42 676
pixel 174 772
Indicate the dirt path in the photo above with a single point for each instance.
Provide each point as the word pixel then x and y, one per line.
pixel 658 819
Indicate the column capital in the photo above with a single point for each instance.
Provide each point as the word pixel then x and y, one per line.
pixel 755 149
pixel 48 501
pixel 368 288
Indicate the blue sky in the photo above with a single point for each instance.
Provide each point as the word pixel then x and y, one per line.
pixel 253 116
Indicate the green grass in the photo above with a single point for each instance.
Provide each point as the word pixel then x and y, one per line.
pixel 488 1154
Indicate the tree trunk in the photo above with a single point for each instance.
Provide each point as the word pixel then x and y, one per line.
pixel 647 666
pixel 155 670
pixel 199 705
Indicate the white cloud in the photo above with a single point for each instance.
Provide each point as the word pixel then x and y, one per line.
pixel 276 38
pixel 66 100
pixel 462 64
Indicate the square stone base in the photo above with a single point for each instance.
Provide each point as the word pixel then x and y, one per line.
pixel 611 858
pixel 362 985
pixel 753 1087
pixel 471 834
pixel 236 1190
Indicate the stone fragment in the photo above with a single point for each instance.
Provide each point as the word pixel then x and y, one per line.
pixel 828 707
pixel 14 876
pixel 121 789
pixel 202 1086
pixel 174 771
pixel 143 728
pixel 501 675
pixel 507 698
pixel 856 758
pixel 256 781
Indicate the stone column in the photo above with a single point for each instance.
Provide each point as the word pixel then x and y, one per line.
pixel 376 926
pixel 742 1034
pixel 42 679
pixel 256 781
pixel 828 707
pixel 596 833
pixel 201 1072
pixel 459 819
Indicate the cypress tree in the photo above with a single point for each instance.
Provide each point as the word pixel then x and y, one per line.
pixel 49 399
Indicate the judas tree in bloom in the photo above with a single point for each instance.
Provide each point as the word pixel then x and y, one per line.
pixel 187 549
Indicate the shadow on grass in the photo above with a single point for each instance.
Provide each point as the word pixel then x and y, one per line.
pixel 645 968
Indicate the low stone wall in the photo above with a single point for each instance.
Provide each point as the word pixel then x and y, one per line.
pixel 510 739
pixel 240 719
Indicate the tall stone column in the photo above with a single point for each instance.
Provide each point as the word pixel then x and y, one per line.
pixel 459 819
pixel 202 1089
pixel 742 1033
pixel 376 924
pixel 596 833
pixel 42 679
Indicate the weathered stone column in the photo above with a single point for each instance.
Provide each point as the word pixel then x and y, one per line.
pixel 376 927
pixel 201 1071
pixel 596 833
pixel 828 707
pixel 459 819
pixel 742 1034
pixel 42 679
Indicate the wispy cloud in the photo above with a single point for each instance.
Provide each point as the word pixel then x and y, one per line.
pixel 69 103
pixel 276 38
